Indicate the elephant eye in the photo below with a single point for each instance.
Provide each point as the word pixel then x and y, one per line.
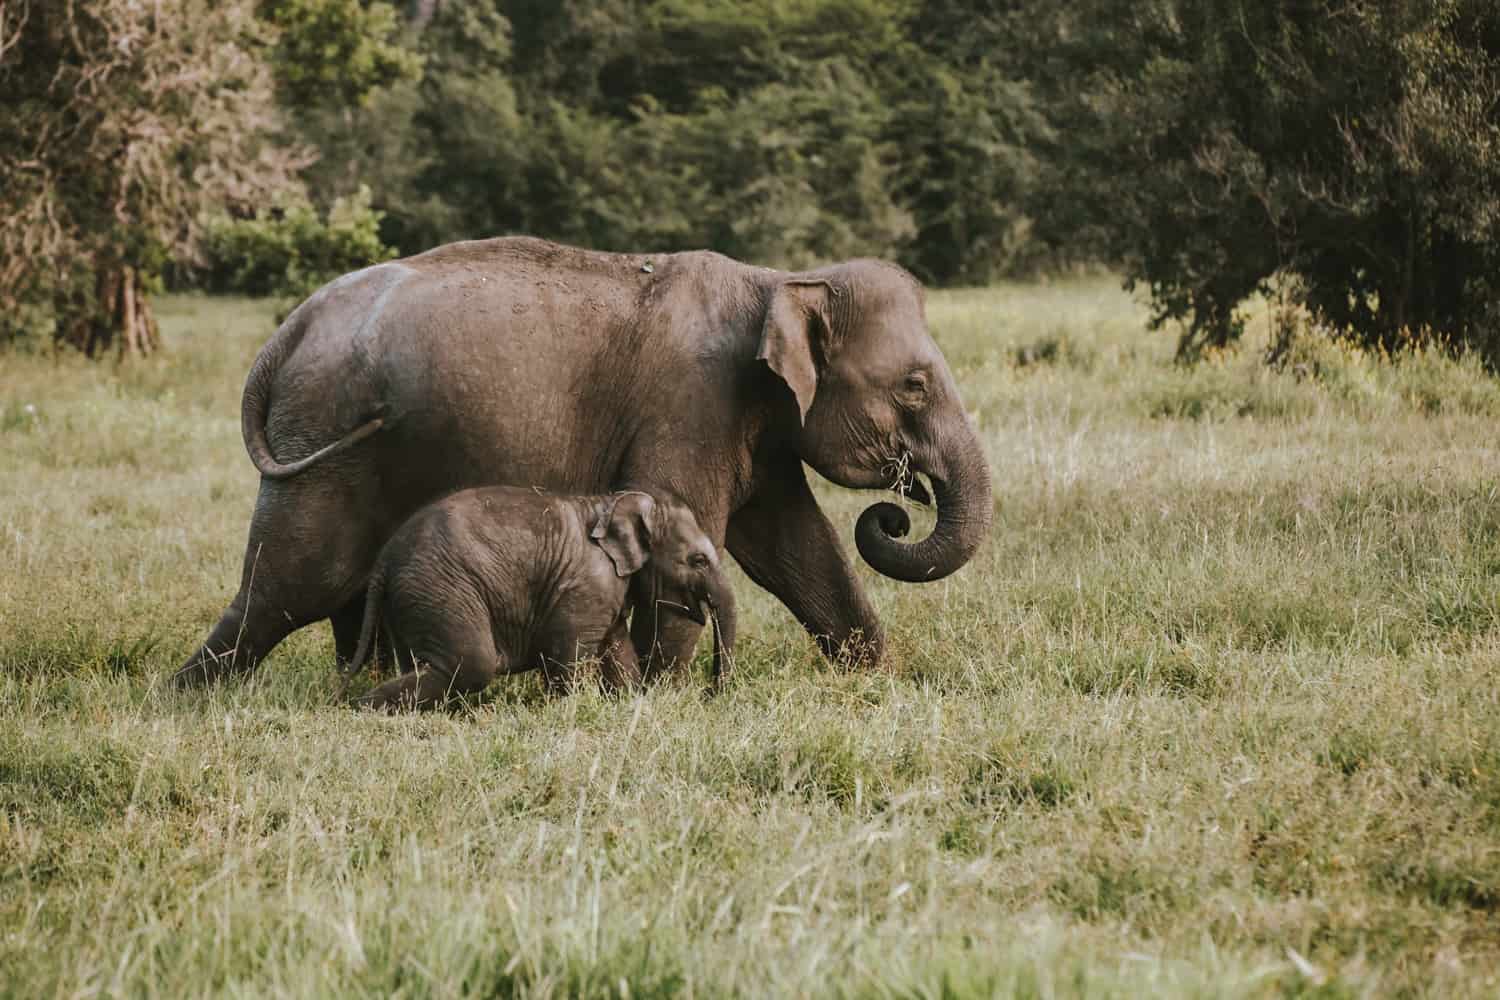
pixel 698 560
pixel 913 393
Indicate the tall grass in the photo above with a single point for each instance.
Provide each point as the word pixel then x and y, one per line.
pixel 1214 713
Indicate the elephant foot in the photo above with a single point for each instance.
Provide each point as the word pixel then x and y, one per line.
pixel 856 651
pixel 228 650
pixel 420 690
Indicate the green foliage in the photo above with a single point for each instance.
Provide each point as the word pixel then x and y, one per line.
pixel 1348 162
pixel 1213 146
pixel 786 133
pixel 288 250
pixel 965 130
pixel 123 122
pixel 792 173
pixel 26 325
pixel 336 51
pixel 467 146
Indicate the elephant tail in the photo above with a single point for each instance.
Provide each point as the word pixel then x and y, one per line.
pixel 255 407
pixel 374 592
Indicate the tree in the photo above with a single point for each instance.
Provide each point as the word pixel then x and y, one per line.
pixel 755 129
pixel 336 63
pixel 288 249
pixel 783 131
pixel 1349 151
pixel 124 122
pixel 964 127
pixel 335 52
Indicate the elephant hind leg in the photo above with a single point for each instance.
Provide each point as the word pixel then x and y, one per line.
pixel 295 572
pixel 437 678
pixel 237 643
pixel 422 688
pixel 259 617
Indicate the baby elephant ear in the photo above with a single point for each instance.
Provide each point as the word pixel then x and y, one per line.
pixel 623 531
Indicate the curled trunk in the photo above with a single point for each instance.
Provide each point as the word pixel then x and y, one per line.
pixel 964 507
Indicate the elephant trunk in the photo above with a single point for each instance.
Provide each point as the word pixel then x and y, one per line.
pixel 721 603
pixel 964 506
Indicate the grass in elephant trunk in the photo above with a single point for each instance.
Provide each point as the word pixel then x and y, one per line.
pixel 1212 712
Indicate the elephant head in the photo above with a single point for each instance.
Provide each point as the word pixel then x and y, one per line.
pixel 877 404
pixel 640 533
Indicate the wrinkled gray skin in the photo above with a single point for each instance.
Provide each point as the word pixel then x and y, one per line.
pixel 501 580
pixel 523 362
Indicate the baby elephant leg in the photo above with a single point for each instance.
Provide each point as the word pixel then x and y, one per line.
pixel 619 666
pixel 438 677
pixel 560 671
pixel 422 688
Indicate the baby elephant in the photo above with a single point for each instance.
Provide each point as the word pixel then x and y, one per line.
pixel 500 580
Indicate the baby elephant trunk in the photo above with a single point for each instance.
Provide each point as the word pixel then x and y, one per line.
pixel 721 605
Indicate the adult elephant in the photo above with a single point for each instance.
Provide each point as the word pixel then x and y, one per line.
pixel 518 361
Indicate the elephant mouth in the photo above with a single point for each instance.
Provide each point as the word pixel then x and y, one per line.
pixel 696 612
pixel 905 481
pixel 912 488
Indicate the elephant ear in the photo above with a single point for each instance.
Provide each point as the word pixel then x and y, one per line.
pixel 623 531
pixel 791 341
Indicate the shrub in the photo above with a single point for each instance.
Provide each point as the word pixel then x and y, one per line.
pixel 288 250
pixel 1215 148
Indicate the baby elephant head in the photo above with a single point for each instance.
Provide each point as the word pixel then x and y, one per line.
pixel 637 532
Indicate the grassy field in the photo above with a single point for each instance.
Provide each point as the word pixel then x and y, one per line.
pixel 1213 714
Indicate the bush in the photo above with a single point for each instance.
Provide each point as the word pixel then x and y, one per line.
pixel 287 250
pixel 1217 148
pixel 26 325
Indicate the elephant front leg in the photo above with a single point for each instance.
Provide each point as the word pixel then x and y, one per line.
pixel 784 543
pixel 619 667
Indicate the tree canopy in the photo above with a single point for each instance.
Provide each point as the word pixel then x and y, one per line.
pixel 124 122
pixel 1349 151
pixel 1346 154
pixel 782 132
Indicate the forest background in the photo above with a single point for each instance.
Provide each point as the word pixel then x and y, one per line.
pixel 1341 156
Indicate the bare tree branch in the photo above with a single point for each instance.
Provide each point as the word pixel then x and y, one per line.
pixel 13 16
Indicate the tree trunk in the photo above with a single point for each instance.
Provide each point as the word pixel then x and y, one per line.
pixel 120 317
